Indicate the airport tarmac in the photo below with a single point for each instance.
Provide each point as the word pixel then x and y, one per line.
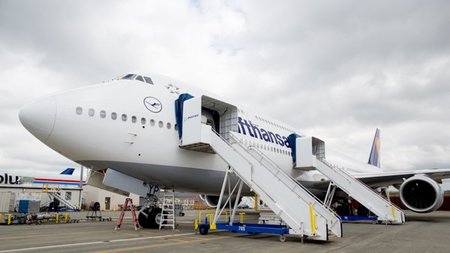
pixel 421 233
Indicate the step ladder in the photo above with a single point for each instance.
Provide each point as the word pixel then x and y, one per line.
pixel 168 209
pixel 386 211
pixel 128 203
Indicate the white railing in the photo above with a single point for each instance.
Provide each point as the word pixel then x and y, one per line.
pixel 277 172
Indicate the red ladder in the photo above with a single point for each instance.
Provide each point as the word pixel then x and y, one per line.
pixel 128 201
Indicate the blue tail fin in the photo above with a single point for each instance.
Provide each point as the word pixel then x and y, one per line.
pixel 68 171
pixel 374 158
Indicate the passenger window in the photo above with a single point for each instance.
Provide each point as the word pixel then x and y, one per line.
pixel 133 119
pixel 91 112
pixel 114 116
pixel 169 125
pixel 124 117
pixel 143 121
pixel 152 122
pixel 79 110
pixel 160 124
pixel 102 114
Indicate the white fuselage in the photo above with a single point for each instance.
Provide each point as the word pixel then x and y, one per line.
pixel 110 126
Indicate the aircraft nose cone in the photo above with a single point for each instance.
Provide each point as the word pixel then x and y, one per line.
pixel 39 117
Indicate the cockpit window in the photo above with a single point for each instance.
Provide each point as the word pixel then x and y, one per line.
pixel 144 79
pixel 148 80
pixel 140 78
pixel 129 77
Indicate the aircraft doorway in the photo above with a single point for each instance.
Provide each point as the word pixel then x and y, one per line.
pixel 212 118
pixel 107 203
pixel 221 116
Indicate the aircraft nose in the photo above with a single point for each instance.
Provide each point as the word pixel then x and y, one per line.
pixel 39 117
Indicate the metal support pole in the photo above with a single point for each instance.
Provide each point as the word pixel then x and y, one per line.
pixel 330 194
pixel 387 193
pixel 241 183
pixel 224 184
pixel 229 196
pixel 81 187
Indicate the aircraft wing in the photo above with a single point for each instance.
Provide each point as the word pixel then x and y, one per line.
pixel 387 178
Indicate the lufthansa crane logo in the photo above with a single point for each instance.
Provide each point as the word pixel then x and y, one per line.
pixel 153 104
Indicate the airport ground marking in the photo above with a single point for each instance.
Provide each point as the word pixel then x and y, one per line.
pixel 50 234
pixel 149 246
pixel 92 243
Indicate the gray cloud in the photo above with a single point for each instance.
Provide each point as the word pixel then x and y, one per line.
pixel 334 69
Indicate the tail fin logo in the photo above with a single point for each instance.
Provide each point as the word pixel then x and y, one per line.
pixel 374 158
pixel 68 171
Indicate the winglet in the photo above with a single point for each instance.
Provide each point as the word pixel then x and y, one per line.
pixel 68 171
pixel 374 158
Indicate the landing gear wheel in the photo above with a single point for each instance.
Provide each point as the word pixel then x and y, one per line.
pixel 150 218
pixel 282 238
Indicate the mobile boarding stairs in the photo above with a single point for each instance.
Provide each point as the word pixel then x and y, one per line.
pixel 304 214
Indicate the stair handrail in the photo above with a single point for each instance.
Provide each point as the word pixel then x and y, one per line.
pixel 229 144
pixel 64 201
pixel 333 166
pixel 243 157
pixel 264 156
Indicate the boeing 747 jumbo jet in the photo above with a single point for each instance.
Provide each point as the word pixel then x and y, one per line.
pixel 137 133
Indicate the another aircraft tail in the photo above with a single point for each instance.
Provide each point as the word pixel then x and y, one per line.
pixel 374 158
pixel 68 171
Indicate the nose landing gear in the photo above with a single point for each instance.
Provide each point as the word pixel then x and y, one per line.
pixel 150 217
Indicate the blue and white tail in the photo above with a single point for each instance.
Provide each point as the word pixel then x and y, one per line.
pixel 68 171
pixel 374 158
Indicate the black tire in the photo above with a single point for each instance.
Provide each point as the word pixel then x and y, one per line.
pixel 203 229
pixel 150 218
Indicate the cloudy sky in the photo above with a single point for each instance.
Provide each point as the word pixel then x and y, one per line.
pixel 334 69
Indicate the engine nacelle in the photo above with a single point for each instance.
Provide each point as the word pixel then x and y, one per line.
pixel 421 194
pixel 212 200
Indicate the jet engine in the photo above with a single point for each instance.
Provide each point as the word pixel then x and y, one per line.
pixel 421 194
pixel 212 200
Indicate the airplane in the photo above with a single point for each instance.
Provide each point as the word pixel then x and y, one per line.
pixel 126 131
pixel 17 182
pixel 14 179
